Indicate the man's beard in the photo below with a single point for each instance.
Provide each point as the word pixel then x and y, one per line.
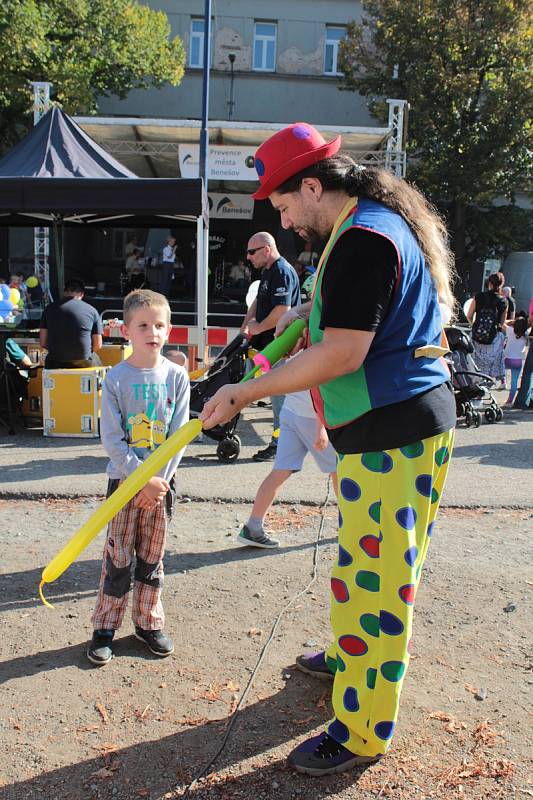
pixel 311 235
pixel 314 237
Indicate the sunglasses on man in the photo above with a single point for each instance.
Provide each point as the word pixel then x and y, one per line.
pixel 254 250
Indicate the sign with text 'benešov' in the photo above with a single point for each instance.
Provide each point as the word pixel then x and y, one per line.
pixel 230 206
pixel 225 163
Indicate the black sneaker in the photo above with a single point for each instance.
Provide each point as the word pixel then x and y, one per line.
pixel 322 755
pixel 100 650
pixel 156 641
pixel 317 664
pixel 268 454
pixel 260 539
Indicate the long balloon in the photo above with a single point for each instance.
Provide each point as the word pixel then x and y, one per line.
pixel 155 461
pixel 274 351
pixel 133 484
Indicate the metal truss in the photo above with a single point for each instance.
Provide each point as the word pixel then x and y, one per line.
pixel 41 236
pixel 41 99
pixel 395 154
pixel 153 149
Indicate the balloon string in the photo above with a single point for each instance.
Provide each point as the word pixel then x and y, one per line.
pixel 43 598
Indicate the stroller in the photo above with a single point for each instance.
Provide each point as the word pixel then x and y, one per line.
pixel 229 367
pixel 471 387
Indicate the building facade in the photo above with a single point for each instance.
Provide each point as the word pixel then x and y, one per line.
pixel 272 61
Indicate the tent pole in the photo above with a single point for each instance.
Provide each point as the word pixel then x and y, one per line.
pixel 202 230
pixel 202 248
pixel 41 236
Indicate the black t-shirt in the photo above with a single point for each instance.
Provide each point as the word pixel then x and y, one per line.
pixel 357 289
pixel 279 286
pixel 71 324
pixel 493 301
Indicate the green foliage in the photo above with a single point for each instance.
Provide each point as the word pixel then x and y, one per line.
pixel 86 49
pixel 465 67
pixel 497 230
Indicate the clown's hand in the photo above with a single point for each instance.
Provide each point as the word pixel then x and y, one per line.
pixel 223 406
pixel 286 320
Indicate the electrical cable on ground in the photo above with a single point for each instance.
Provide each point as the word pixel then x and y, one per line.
pixel 262 654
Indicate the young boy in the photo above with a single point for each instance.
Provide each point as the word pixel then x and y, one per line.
pixel 300 433
pixel 144 400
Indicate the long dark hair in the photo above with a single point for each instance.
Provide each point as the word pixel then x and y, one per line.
pixel 340 173
pixel 520 327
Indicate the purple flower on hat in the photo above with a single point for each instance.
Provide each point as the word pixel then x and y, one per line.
pixel 301 132
pixel 259 167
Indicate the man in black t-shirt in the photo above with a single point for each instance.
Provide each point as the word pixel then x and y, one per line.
pixel 279 290
pixel 71 330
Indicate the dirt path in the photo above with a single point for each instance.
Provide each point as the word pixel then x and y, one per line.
pixel 143 728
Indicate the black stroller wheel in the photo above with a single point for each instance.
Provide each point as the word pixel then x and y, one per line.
pixel 491 415
pixel 468 418
pixel 228 449
pixel 499 414
pixel 476 419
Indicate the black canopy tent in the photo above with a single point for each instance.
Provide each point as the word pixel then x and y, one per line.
pixel 108 202
pixel 58 176
pixel 58 173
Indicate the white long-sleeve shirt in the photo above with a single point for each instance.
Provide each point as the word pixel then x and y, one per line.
pixel 140 409
pixel 515 348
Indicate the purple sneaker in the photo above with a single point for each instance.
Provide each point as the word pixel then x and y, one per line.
pixel 317 664
pixel 322 755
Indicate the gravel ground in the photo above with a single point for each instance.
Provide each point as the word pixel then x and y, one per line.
pixel 145 728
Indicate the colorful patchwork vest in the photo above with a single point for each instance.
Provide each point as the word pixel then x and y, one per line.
pixel 390 372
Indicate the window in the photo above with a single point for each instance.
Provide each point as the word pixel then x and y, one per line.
pixel 334 35
pixel 196 44
pixel 265 46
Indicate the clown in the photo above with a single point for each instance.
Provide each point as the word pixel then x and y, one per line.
pixel 380 386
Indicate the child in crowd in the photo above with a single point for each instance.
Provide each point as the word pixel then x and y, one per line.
pixel 515 353
pixel 300 433
pixel 145 399
pixel 178 358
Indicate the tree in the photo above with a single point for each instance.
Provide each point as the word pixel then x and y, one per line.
pixel 465 68
pixel 86 48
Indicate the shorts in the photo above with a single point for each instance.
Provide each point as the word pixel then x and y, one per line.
pixel 296 437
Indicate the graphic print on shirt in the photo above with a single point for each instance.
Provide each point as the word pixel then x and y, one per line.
pixel 146 431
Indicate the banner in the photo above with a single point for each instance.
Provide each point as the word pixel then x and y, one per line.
pixel 225 163
pixel 230 206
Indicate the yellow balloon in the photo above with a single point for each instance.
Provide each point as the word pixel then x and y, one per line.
pixel 197 373
pixel 14 296
pixel 110 507
pixel 135 482
pixel 32 282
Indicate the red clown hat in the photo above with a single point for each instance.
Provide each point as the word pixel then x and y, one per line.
pixel 287 152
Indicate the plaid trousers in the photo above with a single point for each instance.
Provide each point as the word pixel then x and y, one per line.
pixel 133 531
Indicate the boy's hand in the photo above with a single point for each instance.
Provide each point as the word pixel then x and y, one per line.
pixel 321 441
pixel 152 494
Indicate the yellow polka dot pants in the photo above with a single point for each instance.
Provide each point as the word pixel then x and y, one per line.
pixel 388 501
